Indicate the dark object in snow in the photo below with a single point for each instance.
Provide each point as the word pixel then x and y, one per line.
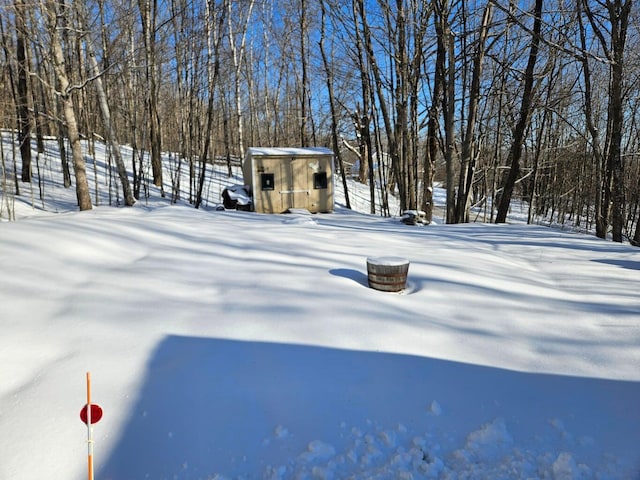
pixel 414 217
pixel 236 197
pixel 388 274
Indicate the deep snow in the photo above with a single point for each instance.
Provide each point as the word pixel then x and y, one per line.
pixel 228 344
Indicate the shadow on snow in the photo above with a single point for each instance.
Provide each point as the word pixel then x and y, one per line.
pixel 231 407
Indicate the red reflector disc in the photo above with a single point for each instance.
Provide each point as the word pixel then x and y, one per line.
pixel 96 413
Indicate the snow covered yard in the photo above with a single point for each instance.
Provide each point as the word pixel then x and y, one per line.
pixel 243 346
pixel 233 345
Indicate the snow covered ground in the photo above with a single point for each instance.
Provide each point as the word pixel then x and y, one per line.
pixel 234 345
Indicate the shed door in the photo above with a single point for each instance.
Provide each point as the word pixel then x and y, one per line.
pixel 295 183
pixel 283 183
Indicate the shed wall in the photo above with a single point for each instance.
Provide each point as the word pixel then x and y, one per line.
pixel 281 182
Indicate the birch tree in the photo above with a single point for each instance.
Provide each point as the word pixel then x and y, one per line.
pixel 65 92
pixel 238 47
pixel 106 120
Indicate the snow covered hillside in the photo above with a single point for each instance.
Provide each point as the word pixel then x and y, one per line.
pixel 234 345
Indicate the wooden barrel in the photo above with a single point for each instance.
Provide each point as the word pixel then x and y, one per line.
pixel 388 274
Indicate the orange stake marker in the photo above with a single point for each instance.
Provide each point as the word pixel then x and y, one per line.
pixel 89 430
pixel 90 414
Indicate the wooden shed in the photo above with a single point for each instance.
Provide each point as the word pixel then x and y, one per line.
pixel 281 179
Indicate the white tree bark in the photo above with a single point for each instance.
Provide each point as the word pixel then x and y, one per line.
pixel 106 120
pixel 82 185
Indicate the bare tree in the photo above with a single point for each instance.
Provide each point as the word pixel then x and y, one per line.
pixel 469 143
pixel 363 113
pixel 9 69
pixel 602 197
pixel 238 54
pixel 446 54
pixel 332 105
pixel 50 9
pixel 148 18
pixel 22 97
pixel 304 87
pixel 433 125
pixel 106 120
pixel 215 32
pixel 515 154
pixel 612 186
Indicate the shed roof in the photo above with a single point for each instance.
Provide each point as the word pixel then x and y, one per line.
pixel 288 151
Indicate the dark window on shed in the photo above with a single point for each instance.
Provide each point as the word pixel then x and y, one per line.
pixel 267 181
pixel 320 180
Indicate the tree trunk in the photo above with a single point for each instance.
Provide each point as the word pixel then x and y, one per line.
pixel 602 214
pixel 379 88
pixel 5 48
pixel 215 36
pixel 612 179
pixel 446 52
pixel 468 157
pixel 238 59
pixel 24 118
pixel 106 120
pixel 431 150
pixel 619 17
pixel 334 118
pixel 59 65
pixel 635 241
pixel 304 135
pixel 361 119
pixel 515 153
pixel 148 11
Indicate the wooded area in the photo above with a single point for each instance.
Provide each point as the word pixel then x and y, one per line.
pixel 536 101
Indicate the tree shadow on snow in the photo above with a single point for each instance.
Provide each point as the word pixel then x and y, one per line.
pixel 210 406
pixel 628 264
